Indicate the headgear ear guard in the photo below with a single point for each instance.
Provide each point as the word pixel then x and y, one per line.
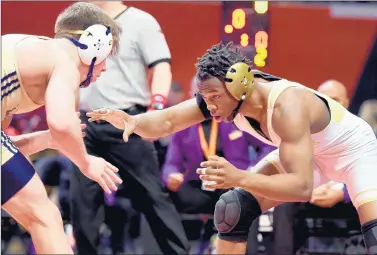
pixel 94 46
pixel 239 81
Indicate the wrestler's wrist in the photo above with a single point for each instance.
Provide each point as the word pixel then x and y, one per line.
pixel 135 121
pixel 46 136
pixel 242 179
pixel 84 163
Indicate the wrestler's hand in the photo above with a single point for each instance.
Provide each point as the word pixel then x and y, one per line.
pixel 326 197
pixel 103 173
pixel 117 118
pixel 219 170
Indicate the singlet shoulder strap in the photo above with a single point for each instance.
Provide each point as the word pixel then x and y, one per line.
pixel 265 76
pixel 276 90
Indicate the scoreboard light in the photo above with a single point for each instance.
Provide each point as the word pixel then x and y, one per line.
pixel 246 25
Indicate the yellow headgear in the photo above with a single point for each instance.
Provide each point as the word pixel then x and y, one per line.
pixel 239 81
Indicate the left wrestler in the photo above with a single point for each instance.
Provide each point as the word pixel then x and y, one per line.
pixel 40 71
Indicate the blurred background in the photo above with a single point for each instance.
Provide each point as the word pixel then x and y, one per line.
pixel 312 43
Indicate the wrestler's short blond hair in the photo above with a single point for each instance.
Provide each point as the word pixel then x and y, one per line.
pixel 80 16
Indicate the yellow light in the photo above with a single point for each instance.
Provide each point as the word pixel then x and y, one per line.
pixel 228 29
pixel 244 40
pixel 262 52
pixel 244 43
pixel 238 18
pixel 258 61
pixel 261 7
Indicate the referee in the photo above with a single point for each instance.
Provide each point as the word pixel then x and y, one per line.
pixel 143 53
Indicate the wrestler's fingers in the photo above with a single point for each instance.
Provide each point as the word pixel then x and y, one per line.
pixel 125 136
pixel 128 130
pixel 114 177
pixel 109 182
pixel 103 185
pixel 103 111
pixel 111 167
pixel 214 178
pixel 98 112
pixel 94 118
pixel 319 197
pixel 78 114
pixel 211 163
pixel 209 171
pixel 92 114
pixel 214 158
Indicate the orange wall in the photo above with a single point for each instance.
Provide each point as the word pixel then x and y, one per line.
pixel 305 43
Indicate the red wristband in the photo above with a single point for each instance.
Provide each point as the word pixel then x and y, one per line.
pixel 158 102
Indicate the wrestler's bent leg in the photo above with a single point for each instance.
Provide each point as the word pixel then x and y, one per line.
pixel 235 212
pixel 25 199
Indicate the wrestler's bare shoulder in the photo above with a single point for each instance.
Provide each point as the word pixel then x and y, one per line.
pixel 295 101
pixel 37 57
pixel 38 60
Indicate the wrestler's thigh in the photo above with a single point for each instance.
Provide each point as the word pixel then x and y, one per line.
pixel 269 165
pixel 361 182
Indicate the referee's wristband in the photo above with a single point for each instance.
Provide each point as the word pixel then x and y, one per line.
pixel 159 102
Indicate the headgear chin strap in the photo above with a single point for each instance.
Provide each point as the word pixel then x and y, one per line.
pixel 239 81
pixel 94 46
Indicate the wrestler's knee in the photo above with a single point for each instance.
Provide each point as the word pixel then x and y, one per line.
pixel 45 214
pixel 234 213
pixel 366 205
pixel 31 207
pixel 368 217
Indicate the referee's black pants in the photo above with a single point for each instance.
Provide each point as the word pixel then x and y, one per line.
pixel 138 168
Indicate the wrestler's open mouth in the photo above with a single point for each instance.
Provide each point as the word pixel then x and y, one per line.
pixel 218 118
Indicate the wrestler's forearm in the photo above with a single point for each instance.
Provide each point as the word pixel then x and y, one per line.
pixel 68 140
pixel 29 144
pixel 279 187
pixel 153 124
pixel 162 123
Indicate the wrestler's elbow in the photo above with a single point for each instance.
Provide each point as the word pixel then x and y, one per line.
pixel 305 189
pixel 168 128
pixel 306 195
pixel 62 126
pixel 169 124
pixel 58 125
